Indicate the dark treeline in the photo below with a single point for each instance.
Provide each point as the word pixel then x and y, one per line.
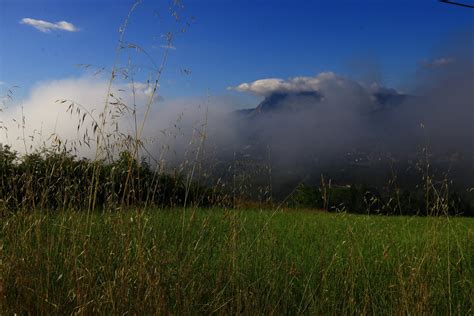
pixel 50 180
pixel 432 200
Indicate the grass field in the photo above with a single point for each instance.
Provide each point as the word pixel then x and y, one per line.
pixel 232 262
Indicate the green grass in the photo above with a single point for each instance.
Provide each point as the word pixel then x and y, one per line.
pixel 223 261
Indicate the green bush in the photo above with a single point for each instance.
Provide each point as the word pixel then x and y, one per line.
pixel 51 180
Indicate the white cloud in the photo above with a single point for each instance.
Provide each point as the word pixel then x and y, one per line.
pixel 443 61
pixel 264 87
pixel 145 88
pixel 440 62
pixel 45 113
pixel 168 47
pixel 261 87
pixel 46 27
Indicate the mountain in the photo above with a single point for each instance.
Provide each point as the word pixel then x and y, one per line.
pixel 386 100
pixel 278 102
pixel 352 136
pixel 290 102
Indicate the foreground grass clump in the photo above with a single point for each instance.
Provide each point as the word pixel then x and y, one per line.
pixel 227 261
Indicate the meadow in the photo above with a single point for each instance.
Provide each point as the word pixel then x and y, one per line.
pixel 223 261
pixel 112 217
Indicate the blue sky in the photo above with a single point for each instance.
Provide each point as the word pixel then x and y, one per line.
pixel 230 42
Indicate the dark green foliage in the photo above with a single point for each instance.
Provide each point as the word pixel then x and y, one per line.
pixel 335 198
pixel 365 200
pixel 309 197
pixel 58 180
pixel 51 180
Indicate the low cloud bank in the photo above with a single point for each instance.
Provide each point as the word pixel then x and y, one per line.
pixel 30 124
pixel 304 124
